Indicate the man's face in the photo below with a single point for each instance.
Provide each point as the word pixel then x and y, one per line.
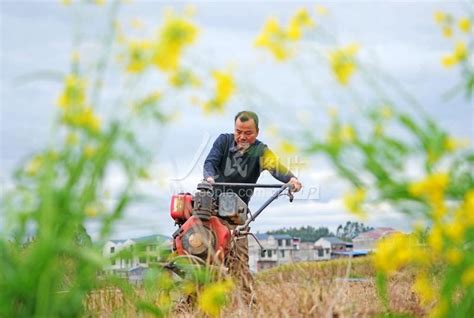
pixel 245 133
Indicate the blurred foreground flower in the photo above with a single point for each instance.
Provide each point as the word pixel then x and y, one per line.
pixel 164 51
pixel 74 92
pixel 286 148
pixel 223 91
pixel 432 189
pixel 343 62
pixel 464 25
pixel 298 22
pixel 353 202
pixel 175 34
pixel 139 54
pixel 460 54
pixel 214 297
pixel 280 40
pixel 84 118
pixel 184 77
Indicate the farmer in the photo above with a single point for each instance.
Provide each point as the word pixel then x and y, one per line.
pixel 240 158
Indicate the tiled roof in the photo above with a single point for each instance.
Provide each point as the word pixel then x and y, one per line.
pixel 333 240
pixel 375 234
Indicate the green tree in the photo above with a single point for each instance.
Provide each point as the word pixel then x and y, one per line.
pixel 305 233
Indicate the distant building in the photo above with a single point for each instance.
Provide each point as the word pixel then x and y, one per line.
pixel 279 249
pixel 367 240
pixel 327 247
pixel 306 252
pixel 129 254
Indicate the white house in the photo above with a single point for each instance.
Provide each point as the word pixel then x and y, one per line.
pixel 325 247
pixel 130 253
pixel 279 249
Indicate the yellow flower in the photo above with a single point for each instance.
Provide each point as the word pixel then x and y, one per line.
pixel 300 20
pixel 439 311
pixel 320 10
pixel 353 202
pixel 175 34
pixel 460 54
pixel 455 230
pixel 66 2
pixel 435 239
pixel 275 39
pixel 448 61
pixel 165 282
pixel 447 31
pixel 386 112
pixel 139 53
pixel 460 51
pixel 182 78
pixel 440 17
pixel 34 165
pixel 287 148
pixel 74 92
pixel 347 133
pixel 214 297
pixel 453 256
pixel 432 188
pixel 294 31
pixel 91 210
pixel 224 89
pixel 343 63
pixel 83 118
pixel 378 130
pixel 99 2
pixel 88 120
pixel 467 278
pixel 163 301
pixel 464 24
pixel 72 139
pixel 424 288
pixel 225 86
pixel 465 211
pixel 452 144
pixel 89 151
pixel 393 252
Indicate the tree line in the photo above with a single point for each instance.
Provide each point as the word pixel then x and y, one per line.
pixel 309 233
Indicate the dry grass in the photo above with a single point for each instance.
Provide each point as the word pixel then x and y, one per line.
pixel 337 288
pixel 327 289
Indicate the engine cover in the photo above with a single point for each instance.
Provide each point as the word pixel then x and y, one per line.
pixel 206 239
pixel 232 208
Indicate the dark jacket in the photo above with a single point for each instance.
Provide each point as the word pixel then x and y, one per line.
pixel 226 164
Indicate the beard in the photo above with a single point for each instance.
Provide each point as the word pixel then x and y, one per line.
pixel 243 146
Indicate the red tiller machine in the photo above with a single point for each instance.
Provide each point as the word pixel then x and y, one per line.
pixel 203 219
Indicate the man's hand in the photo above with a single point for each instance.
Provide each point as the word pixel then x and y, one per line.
pixel 210 180
pixel 296 184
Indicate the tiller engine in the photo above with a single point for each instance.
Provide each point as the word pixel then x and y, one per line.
pixel 203 220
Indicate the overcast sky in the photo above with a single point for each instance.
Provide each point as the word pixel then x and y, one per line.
pixel 399 35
